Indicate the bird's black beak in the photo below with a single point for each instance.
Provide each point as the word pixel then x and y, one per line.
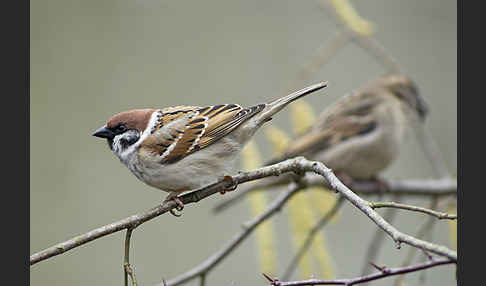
pixel 104 132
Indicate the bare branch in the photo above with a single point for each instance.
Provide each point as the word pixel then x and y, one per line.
pixel 296 165
pixel 376 243
pixel 431 150
pixel 362 205
pixel 248 227
pixel 439 215
pixel 322 56
pixel 127 268
pixel 310 237
pixel 367 43
pixel 137 219
pixel 383 272
pixel 410 188
pixel 425 229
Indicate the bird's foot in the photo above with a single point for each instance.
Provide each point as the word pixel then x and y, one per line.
pixel 180 205
pixel 233 186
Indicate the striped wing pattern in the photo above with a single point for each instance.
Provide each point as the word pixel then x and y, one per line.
pixel 347 119
pixel 182 130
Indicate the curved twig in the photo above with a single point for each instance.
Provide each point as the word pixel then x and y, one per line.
pixel 296 165
pixel 127 268
pixel 439 215
pixel 384 272
pixel 376 244
pixel 409 188
pixel 248 227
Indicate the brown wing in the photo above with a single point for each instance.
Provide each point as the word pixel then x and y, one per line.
pixel 168 130
pixel 185 129
pixel 359 103
pixel 336 132
pixel 349 117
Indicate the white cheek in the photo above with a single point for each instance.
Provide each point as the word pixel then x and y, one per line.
pixel 117 147
pixel 123 151
pixel 128 154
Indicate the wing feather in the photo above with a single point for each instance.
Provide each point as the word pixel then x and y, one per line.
pixel 349 117
pixel 182 130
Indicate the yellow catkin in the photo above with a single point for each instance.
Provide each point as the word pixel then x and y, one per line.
pixel 346 12
pixel 302 116
pixel 301 211
pixel 322 256
pixel 264 234
pixel 452 227
pixel 278 139
pixel 319 200
pixel 301 221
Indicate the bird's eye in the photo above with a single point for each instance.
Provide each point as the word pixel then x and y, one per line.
pixel 121 128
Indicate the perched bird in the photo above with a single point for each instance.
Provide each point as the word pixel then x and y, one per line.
pixel 360 134
pixel 182 148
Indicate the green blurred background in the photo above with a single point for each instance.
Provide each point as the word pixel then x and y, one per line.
pixel 91 59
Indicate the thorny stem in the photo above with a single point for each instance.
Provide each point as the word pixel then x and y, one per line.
pixel 383 272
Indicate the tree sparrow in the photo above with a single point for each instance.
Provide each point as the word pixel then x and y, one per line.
pixel 182 148
pixel 360 134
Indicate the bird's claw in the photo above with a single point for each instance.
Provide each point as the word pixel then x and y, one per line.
pixel 179 207
pixel 233 186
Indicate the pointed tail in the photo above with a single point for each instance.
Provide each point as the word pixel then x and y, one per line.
pixel 275 106
pixel 248 128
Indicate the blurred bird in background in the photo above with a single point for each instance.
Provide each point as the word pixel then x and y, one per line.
pixel 361 133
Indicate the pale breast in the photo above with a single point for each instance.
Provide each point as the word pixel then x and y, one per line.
pixel 365 156
pixel 198 169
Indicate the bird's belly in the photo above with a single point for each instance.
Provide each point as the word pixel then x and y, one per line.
pixel 362 158
pixel 194 171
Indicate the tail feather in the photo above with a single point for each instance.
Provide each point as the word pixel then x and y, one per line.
pixel 278 104
pixel 247 129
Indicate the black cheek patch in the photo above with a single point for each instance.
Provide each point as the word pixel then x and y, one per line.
pixel 110 143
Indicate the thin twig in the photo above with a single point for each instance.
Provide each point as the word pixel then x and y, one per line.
pixel 425 229
pixel 376 243
pixel 362 205
pixel 127 268
pixel 202 280
pixel 409 188
pixel 142 217
pixel 296 165
pixel 431 150
pixel 323 54
pixel 310 237
pixel 367 43
pixel 383 272
pixel 439 215
pixel 231 245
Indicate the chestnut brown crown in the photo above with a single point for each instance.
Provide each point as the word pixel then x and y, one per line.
pixel 136 119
